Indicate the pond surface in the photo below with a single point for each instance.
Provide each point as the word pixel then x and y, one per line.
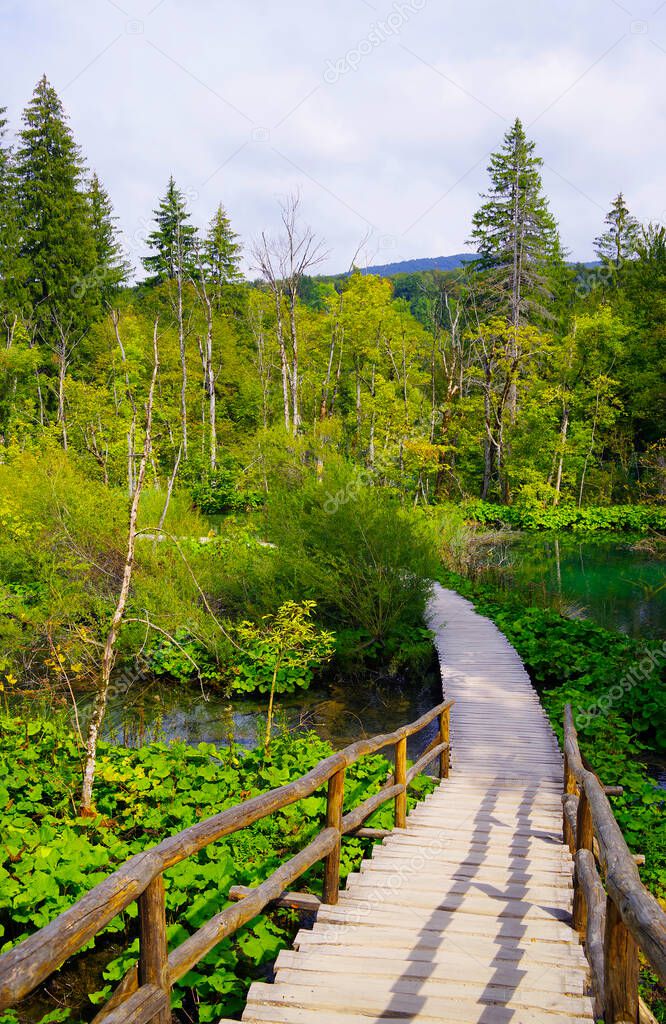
pixel 616 582
pixel 340 714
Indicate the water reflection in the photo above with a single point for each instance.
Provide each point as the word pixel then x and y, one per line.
pixel 339 714
pixel 618 584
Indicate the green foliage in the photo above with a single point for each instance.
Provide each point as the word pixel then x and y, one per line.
pixel 61 564
pixel 515 229
pixel 282 653
pixel 616 518
pixel 217 491
pixel 365 559
pixel 173 240
pixel 50 857
pixel 221 252
pixel 618 242
pixel 58 243
pixel 111 267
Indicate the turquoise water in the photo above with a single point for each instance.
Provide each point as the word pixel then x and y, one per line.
pixel 616 582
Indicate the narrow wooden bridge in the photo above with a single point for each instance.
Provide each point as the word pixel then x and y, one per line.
pixel 464 915
pixel 508 895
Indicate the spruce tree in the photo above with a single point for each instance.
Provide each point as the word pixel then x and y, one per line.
pixel 618 242
pixel 173 241
pixel 57 240
pixel 112 269
pixel 515 233
pixel 221 252
pixel 11 270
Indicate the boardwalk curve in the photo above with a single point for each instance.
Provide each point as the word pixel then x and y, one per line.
pixel 465 915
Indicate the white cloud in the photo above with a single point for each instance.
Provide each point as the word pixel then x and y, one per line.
pixel 400 144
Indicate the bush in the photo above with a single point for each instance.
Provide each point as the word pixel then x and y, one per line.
pixel 619 518
pixel 364 558
pixel 220 491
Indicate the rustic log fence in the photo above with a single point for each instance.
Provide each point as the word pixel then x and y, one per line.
pixel 615 917
pixel 144 993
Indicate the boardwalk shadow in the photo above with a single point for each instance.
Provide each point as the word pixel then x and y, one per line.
pixel 450 929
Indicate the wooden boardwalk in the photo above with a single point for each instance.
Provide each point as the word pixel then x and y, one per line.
pixel 464 916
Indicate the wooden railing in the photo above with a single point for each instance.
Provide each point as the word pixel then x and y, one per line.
pixel 617 916
pixel 144 993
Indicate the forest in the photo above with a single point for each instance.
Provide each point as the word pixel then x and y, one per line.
pixel 244 482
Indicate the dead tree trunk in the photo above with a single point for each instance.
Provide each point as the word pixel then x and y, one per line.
pixel 183 357
pixel 131 434
pixel 207 362
pixel 108 657
pixel 560 461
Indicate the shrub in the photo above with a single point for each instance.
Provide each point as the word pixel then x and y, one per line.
pixel 619 518
pixel 365 559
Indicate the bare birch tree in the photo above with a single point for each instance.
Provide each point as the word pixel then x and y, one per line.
pixel 283 263
pixel 109 653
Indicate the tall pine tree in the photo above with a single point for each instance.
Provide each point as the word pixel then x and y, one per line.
pixel 11 271
pixel 515 233
pixel 618 242
pixel 58 243
pixel 112 268
pixel 221 252
pixel 175 245
pixel 174 240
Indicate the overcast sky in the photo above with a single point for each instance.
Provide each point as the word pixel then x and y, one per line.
pixel 382 114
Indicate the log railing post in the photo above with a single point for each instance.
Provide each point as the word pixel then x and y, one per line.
pixel 444 737
pixel 335 800
pixel 153 950
pixel 620 969
pixel 401 780
pixel 584 839
pixel 579 904
pixel 584 826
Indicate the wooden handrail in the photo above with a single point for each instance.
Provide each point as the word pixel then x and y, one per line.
pixel 144 992
pixel 618 920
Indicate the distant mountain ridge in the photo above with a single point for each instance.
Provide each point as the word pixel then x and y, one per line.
pixel 414 266
pixel 439 263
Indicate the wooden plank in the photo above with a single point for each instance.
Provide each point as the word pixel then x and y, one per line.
pixel 362 884
pixel 385 987
pixel 466 1013
pixel 465 970
pixel 304 901
pixel 546 929
pixel 416 1005
pixel 413 943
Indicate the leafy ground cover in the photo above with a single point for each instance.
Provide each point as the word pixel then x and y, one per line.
pixel 50 857
pixel 593 518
